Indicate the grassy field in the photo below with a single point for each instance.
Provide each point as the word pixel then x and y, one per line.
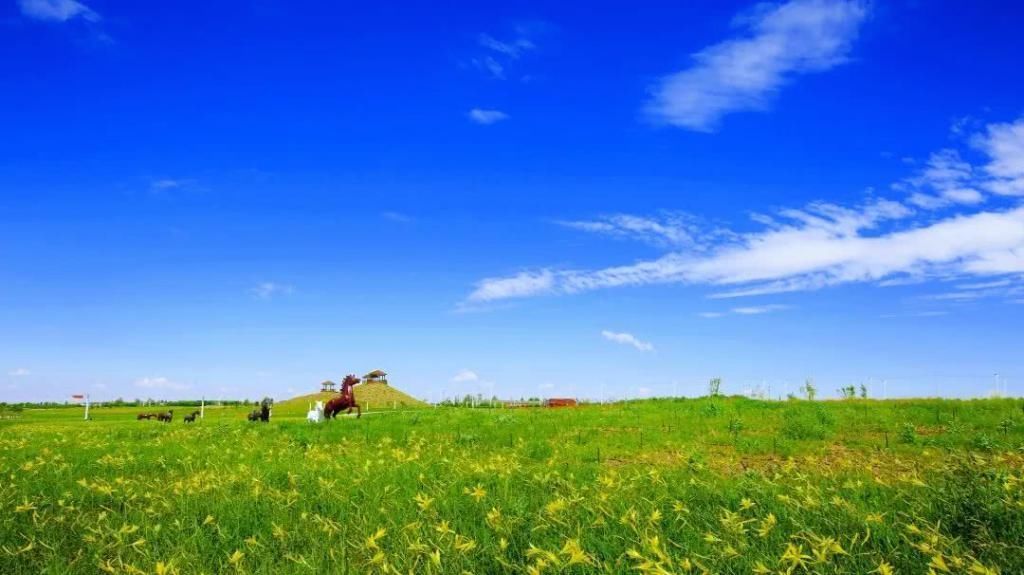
pixel 710 485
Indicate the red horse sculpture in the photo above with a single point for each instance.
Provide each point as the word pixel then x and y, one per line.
pixel 346 400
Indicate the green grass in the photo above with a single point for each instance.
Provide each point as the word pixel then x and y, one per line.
pixel 723 485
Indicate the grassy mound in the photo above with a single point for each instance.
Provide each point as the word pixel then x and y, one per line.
pixel 372 396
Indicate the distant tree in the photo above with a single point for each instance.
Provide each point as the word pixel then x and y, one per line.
pixel 863 391
pixel 810 392
pixel 848 392
pixel 715 387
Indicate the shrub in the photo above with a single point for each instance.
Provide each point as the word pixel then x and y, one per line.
pixel 907 434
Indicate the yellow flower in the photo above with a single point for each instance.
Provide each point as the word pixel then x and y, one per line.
pixel 422 501
pixel 575 553
pixel 371 541
pixel 464 544
pixel 766 526
pixel 236 557
pixel 884 569
pixel 477 492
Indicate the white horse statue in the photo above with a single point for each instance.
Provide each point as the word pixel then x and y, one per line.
pixel 316 413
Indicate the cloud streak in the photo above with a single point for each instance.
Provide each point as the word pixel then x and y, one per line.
pixel 486 117
pixel 270 290
pixel 670 229
pixel 464 376
pixel 627 339
pixel 777 44
pixel 821 244
pixel 57 10
pixel 498 54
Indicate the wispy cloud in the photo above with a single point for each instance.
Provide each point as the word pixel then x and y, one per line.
pixel 670 229
pixel 776 44
pixel 498 54
pixel 57 10
pixel 758 309
pixel 745 310
pixel 820 245
pixel 1004 145
pixel 160 383
pixel 19 372
pixel 627 339
pixel 270 290
pixel 926 313
pixel 464 376
pixel 486 117
pixel 945 180
pixel 166 184
pixel 523 284
pixel 397 217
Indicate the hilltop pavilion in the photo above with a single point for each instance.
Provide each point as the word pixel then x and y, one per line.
pixel 376 376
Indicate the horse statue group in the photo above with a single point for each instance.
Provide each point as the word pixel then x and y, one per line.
pixel 345 401
pixel 167 416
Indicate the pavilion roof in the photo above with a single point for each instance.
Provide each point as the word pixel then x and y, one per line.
pixel 376 373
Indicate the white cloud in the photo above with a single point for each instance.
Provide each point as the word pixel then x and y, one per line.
pixel 745 310
pixel 500 53
pixel 758 309
pixel 743 73
pixel 803 255
pixel 824 244
pixel 927 313
pixel 945 180
pixel 486 117
pixel 164 184
pixel 464 376
pixel 57 10
pixel 670 229
pixel 627 339
pixel 1004 145
pixel 160 383
pixel 512 49
pixel 19 372
pixel 397 217
pixel 269 290
pixel 522 284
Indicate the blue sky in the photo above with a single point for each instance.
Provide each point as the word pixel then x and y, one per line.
pixel 239 199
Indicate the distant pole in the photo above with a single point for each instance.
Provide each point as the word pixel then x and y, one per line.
pixel 202 409
pixel 87 407
pixel 996 376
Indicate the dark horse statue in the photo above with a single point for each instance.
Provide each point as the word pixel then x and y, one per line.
pixel 345 401
pixel 262 413
pixel 146 416
pixel 191 418
pixel 165 417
